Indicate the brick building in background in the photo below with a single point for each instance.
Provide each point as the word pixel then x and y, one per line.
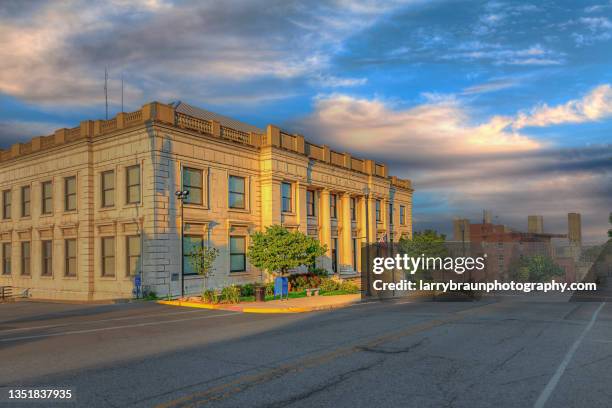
pixel 504 245
pixel 87 209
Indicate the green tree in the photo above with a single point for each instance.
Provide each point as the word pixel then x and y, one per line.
pixel 428 243
pixel 202 260
pixel 277 250
pixel 537 268
pixel 610 230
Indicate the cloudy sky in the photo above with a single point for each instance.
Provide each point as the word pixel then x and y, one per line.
pixel 483 104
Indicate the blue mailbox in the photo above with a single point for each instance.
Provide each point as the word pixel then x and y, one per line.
pixel 281 287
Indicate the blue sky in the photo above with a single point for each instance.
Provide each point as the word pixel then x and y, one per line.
pixel 483 104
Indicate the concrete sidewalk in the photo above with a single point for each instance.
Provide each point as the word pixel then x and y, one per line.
pixel 299 305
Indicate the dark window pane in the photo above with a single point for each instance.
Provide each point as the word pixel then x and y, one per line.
pixel 236 192
pixel 70 261
pixel 6 204
pixel 25 201
pixel 47 197
pixel 192 182
pixel 108 256
pixel 70 202
pixel 237 254
pixel 133 184
pixel 310 203
pixel 190 244
pixel 286 197
pixel 6 258
pixel 25 258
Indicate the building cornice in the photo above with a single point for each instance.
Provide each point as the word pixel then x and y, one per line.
pixel 156 112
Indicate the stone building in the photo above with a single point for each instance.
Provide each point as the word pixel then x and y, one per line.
pixel 86 210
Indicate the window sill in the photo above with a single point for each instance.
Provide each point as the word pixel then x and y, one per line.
pixel 133 205
pixel 70 277
pixel 46 215
pixel 68 212
pixel 46 277
pixel 108 278
pixel 288 213
pixel 104 209
pixel 239 210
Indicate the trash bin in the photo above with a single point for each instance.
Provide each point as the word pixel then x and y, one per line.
pixel 260 293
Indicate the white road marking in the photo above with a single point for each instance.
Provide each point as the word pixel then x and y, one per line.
pixel 550 387
pixel 37 336
pixel 95 321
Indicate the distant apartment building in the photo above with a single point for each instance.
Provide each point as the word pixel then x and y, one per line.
pixel 87 210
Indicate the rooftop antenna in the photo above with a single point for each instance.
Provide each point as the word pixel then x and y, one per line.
pixel 122 92
pixel 106 90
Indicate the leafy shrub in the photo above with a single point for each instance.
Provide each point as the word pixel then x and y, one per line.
pixel 270 289
pixel 329 284
pixel 230 294
pixel 300 283
pixel 210 296
pixel 317 271
pixel 247 289
pixel 303 281
pixel 349 286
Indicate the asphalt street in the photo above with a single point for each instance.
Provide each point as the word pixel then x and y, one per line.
pixel 503 352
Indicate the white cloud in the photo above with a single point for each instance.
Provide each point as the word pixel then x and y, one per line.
pixel 595 105
pixel 463 164
pixel 46 58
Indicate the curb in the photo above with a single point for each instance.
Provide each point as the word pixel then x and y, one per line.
pixel 271 310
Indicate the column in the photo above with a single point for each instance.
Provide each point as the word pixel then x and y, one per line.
pixel 372 219
pixel 325 226
pixel 300 207
pixel 270 202
pixel 346 248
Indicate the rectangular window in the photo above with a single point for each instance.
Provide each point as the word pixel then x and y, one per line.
pixel 353 209
pixel 70 193
pixel 25 258
pixel 132 184
pixel 310 203
pixel 237 254
pixel 6 258
pixel 334 253
pixel 190 244
pixel 390 214
pixel 108 189
pixel 402 215
pixel 108 256
pixel 378 215
pixel 47 258
pixel 6 204
pixel 237 192
pixel 70 261
pixel 333 206
pixel 192 182
pixel 25 201
pixel 286 197
pixel 133 255
pixel 47 197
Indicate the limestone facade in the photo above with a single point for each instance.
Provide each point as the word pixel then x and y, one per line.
pixel 85 210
